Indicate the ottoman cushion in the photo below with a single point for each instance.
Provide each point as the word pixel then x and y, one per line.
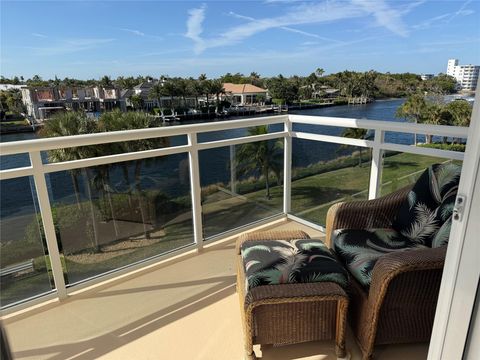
pixel 271 262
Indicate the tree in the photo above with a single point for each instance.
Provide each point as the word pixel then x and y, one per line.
pixel 11 100
pixel 68 124
pixel 137 101
pixel 183 90
pixel 261 156
pixel 413 109
pixel 282 88
pixel 216 88
pixel 156 92
pixel 319 72
pixel 117 120
pixel 207 90
pixel 355 133
pixel 437 114
pixel 196 89
pixel 461 112
pixel 441 84
pixel 170 88
pixel 105 81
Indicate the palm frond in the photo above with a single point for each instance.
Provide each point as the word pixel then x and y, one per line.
pixel 312 245
pixel 248 250
pixel 330 277
pixel 434 188
pixel 442 236
pixel 389 237
pixel 424 225
pixel 447 211
pixel 412 199
pixel 446 174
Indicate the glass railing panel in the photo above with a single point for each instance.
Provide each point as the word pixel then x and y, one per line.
pixel 235 189
pixel 324 174
pixel 111 216
pixel 402 169
pixel 25 268
pixel 91 151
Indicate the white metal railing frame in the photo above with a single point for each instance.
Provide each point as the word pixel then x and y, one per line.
pixel 38 170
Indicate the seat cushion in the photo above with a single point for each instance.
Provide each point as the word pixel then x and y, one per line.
pixel 359 250
pixel 429 205
pixel 271 262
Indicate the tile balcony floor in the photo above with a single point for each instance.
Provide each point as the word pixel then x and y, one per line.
pixel 186 309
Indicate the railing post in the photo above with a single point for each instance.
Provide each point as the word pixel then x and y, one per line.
pixel 196 190
pixel 48 225
pixel 377 165
pixel 287 167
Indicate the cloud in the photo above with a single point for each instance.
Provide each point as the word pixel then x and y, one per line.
pixel 462 11
pixel 133 31
pixel 140 33
pixel 39 35
pixel 385 15
pixel 286 28
pixel 195 28
pixel 302 14
pixel 68 46
pixel 444 18
pixel 425 24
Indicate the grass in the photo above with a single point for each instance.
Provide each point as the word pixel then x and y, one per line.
pixel 311 197
pixel 23 122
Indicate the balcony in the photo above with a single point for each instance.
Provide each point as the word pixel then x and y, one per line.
pixel 134 282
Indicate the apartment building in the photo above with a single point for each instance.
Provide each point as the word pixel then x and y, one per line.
pixel 466 75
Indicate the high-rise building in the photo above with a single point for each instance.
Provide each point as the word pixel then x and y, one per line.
pixel 466 75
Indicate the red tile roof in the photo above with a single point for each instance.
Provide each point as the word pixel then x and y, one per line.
pixel 242 88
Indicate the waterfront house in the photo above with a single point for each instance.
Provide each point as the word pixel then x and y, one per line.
pixel 43 102
pixel 244 94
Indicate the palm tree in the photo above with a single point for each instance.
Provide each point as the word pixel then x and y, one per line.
pixel 183 90
pixel 254 78
pixel 105 81
pixel 171 89
pixel 137 101
pixel 355 133
pixel 319 72
pixel 461 111
pixel 196 89
pixel 156 92
pixel 129 121
pixel 216 87
pixel 261 156
pixel 206 86
pixel 67 124
pixel 414 109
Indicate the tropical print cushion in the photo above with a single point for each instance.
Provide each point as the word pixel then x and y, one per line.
pixel 272 262
pixel 429 205
pixel 359 250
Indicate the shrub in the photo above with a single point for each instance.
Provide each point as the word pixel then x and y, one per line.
pixel 446 146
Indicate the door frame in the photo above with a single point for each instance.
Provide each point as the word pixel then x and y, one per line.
pixel 461 272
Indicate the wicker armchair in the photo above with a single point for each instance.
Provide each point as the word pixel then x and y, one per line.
pixel 399 306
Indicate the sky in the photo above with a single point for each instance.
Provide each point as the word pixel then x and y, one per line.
pixel 89 39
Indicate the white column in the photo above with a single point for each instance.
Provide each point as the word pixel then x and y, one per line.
pixel 48 226
pixel 287 166
pixel 196 190
pixel 377 165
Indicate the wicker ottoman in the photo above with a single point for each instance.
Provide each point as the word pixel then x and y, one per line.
pixel 290 313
